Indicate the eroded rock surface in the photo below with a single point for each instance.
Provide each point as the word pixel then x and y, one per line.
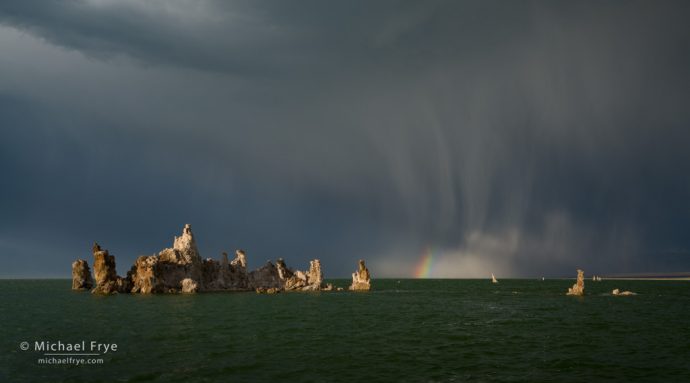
pixel 81 275
pixel 314 275
pixel 361 280
pixel 223 275
pixel 266 276
pixel 311 280
pixel 106 279
pixel 578 288
pixel 185 245
pixel 240 259
pixel 142 274
pixel 181 269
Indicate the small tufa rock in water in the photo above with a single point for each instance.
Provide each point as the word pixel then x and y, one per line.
pixel 270 290
pixel 189 286
pixel 623 293
pixel 81 275
pixel 361 280
pixel 578 288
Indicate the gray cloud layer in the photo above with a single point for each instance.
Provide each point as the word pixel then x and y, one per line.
pixel 520 138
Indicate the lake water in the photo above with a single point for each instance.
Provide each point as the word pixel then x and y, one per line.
pixel 406 330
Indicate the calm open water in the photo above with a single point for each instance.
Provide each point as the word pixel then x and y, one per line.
pixel 411 330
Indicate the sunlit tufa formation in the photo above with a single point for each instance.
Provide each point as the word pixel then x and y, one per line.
pixel 181 269
pixel 361 279
pixel 186 246
pixel 81 275
pixel 176 269
pixel 578 288
pixel 189 286
pixel 311 280
pixel 107 280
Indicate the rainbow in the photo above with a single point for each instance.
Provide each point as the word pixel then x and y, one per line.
pixel 423 269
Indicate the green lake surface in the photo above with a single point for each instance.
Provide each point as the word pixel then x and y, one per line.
pixel 417 330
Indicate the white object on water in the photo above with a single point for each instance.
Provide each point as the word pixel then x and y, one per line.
pixel 618 292
pixel 493 278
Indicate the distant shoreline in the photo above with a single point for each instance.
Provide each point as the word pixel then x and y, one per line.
pixel 684 278
pixel 646 278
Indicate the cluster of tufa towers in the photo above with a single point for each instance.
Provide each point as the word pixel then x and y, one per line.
pixel 181 269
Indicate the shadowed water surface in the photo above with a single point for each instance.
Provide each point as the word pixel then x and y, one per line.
pixel 407 330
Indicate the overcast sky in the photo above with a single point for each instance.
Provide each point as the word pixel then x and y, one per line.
pixel 514 137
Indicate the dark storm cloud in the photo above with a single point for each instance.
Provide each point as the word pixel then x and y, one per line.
pixel 520 138
pixel 152 32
